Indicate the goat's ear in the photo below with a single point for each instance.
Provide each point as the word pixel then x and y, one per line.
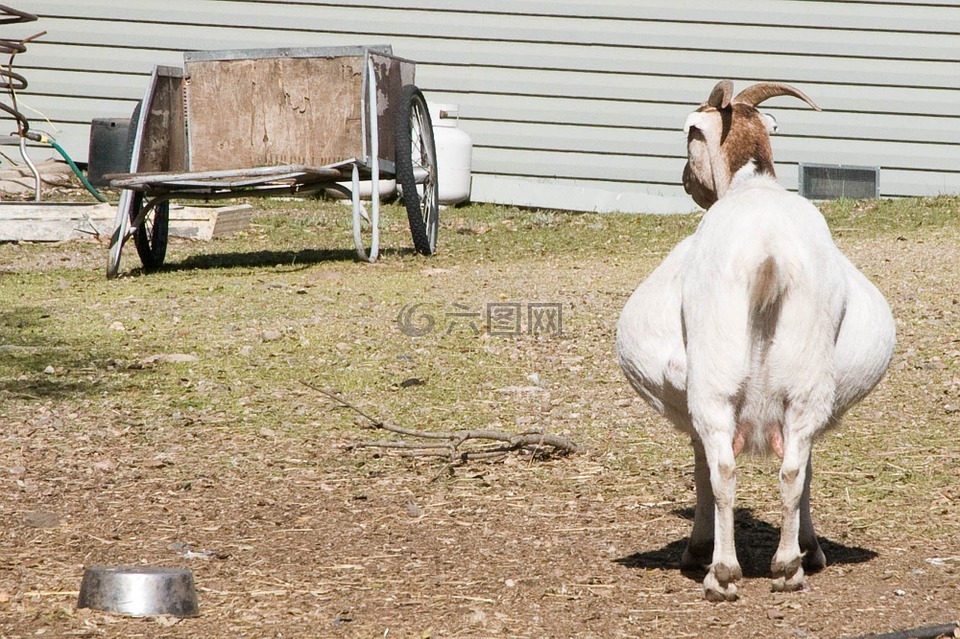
pixel 770 123
pixel 698 120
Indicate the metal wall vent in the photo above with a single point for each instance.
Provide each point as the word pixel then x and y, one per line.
pixel 836 181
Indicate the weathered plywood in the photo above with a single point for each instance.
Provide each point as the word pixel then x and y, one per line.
pixel 391 75
pixel 58 222
pixel 277 107
pixel 266 112
pixel 164 144
pixel 44 222
pixel 209 222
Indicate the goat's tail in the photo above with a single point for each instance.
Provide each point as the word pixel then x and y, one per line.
pixel 767 286
pixel 761 411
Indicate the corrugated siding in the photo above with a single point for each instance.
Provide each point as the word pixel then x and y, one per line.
pixel 569 104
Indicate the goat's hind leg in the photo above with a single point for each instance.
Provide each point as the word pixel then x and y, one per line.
pixel 698 554
pixel 813 558
pixel 719 584
pixel 787 565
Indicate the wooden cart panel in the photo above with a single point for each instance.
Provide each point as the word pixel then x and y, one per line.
pixel 162 145
pixel 252 109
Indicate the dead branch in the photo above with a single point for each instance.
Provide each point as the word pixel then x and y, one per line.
pixel 451 445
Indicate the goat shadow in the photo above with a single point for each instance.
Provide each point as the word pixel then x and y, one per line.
pixel 756 542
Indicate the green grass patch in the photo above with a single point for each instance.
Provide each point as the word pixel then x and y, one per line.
pixel 287 301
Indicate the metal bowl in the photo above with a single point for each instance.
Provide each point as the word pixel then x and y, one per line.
pixel 139 591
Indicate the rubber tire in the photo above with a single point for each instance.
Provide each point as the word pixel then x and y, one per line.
pixel 150 237
pixel 413 126
pixel 151 243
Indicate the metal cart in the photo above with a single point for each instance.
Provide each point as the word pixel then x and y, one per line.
pixel 264 122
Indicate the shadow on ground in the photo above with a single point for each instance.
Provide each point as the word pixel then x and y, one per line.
pixel 37 360
pixel 756 543
pixel 260 259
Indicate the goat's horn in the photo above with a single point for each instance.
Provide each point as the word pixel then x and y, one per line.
pixel 758 93
pixel 720 96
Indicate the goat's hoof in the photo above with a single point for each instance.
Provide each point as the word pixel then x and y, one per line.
pixel 718 585
pixel 814 560
pixel 719 594
pixel 697 558
pixel 794 584
pixel 788 576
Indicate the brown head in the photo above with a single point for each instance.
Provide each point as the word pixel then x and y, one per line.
pixel 727 134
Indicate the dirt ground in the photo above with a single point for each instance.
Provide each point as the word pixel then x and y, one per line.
pixel 295 536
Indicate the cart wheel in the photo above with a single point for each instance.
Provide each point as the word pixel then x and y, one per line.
pixel 416 165
pixel 151 236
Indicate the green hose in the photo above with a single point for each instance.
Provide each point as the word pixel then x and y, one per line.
pixel 73 165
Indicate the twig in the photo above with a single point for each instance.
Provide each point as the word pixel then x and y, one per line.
pixel 448 444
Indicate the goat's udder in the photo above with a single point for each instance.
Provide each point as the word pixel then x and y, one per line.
pixel 739 440
pixel 775 439
pixel 772 434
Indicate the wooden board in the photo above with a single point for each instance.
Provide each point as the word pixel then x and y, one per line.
pixel 44 222
pixel 266 112
pixel 58 222
pixel 392 74
pixel 225 178
pixel 208 222
pixel 164 145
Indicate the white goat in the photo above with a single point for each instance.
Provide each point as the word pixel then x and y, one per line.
pixel 754 333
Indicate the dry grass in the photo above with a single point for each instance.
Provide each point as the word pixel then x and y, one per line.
pixel 113 451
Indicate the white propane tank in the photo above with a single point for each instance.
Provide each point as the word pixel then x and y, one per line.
pixel 387 189
pixel 454 153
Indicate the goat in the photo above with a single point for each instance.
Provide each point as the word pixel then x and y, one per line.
pixel 755 333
